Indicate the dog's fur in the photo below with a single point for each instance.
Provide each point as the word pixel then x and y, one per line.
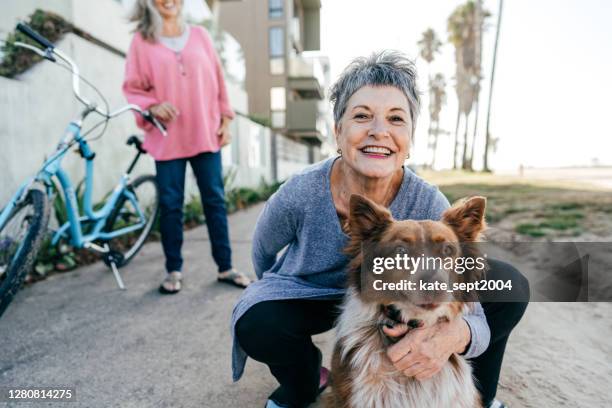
pixel 362 374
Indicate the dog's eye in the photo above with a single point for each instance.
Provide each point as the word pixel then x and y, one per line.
pixel 448 250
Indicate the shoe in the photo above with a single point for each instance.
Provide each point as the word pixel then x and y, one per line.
pixel 323 383
pixel 497 404
pixel 235 278
pixel 274 404
pixel 172 283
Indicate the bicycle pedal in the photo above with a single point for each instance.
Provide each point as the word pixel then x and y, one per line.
pixel 113 257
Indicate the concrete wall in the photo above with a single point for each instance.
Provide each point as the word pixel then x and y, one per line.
pixel 36 107
pixel 93 16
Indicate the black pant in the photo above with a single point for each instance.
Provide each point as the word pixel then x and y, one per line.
pixel 171 181
pixel 278 333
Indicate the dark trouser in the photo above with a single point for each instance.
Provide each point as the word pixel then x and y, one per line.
pixel 278 333
pixel 171 181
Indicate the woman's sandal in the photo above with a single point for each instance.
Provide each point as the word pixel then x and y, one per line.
pixel 235 278
pixel 172 284
pixel 323 383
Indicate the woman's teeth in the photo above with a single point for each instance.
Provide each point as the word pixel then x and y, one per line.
pixel 376 150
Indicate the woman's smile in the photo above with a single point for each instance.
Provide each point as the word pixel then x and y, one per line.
pixel 376 152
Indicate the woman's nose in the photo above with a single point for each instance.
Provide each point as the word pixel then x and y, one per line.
pixel 379 128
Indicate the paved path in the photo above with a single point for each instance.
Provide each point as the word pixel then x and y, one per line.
pixel 140 349
pixel 135 348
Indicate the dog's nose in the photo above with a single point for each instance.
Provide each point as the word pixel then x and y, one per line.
pixel 393 312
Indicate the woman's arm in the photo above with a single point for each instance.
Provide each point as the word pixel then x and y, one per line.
pixel 224 103
pixel 276 227
pixel 480 333
pixel 137 84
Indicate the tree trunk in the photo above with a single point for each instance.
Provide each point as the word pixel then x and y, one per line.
pixel 464 162
pixel 435 146
pixel 487 135
pixel 455 151
pixel 471 158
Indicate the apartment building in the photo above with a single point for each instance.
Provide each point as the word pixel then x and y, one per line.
pixel 286 75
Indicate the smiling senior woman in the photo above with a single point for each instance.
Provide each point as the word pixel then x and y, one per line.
pixel 376 104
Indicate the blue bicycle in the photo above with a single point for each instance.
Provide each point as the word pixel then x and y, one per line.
pixel 116 228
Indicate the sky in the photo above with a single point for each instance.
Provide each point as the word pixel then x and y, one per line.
pixel 551 104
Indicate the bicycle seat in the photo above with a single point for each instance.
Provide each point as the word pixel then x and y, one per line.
pixel 135 140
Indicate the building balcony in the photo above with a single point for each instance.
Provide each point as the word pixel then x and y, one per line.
pixel 306 77
pixel 305 122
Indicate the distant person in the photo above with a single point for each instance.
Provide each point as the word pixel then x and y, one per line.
pixel 173 70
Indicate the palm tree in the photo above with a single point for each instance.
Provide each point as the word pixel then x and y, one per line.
pixel 465 32
pixel 487 135
pixel 429 45
pixel 480 16
pixel 436 101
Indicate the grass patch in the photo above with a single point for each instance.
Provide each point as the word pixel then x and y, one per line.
pixel 533 230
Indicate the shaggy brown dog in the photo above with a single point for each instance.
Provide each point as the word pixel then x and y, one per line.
pixel 362 374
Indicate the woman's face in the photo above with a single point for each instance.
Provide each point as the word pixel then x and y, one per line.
pixel 168 9
pixel 375 131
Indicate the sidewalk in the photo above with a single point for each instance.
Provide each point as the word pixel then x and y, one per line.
pixel 135 348
pixel 140 349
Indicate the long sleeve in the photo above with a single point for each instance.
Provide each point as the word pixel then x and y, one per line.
pixel 224 103
pixel 137 84
pixel 475 319
pixel 276 227
pixel 479 329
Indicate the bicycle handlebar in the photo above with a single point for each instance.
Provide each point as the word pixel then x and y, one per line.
pixel 51 50
pixel 25 29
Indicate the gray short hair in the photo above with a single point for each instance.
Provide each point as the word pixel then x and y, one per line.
pixel 148 20
pixel 385 68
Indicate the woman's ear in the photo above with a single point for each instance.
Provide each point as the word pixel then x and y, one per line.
pixel 467 218
pixel 366 218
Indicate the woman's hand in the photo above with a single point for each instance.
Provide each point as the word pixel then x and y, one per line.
pixel 165 111
pixel 224 135
pixel 423 352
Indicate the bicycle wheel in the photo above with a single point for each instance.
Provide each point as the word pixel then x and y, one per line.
pixel 20 240
pixel 125 214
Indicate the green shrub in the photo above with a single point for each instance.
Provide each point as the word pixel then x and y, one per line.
pixel 17 60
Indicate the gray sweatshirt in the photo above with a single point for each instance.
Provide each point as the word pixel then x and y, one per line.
pixel 301 218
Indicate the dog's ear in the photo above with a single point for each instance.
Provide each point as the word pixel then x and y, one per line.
pixel 467 218
pixel 366 218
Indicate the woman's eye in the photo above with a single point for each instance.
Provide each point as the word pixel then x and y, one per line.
pixel 397 119
pixel 361 116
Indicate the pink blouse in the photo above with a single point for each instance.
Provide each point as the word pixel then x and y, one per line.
pixel 191 80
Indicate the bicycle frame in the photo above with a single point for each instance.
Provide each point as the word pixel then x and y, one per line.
pixel 53 168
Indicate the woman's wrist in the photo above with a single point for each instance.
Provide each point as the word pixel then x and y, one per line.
pixel 465 336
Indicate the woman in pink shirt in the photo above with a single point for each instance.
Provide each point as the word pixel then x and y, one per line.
pixel 173 70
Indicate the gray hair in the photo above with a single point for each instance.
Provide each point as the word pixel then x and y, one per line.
pixel 385 68
pixel 148 20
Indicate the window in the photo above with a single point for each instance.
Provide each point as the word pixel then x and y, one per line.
pixel 277 66
pixel 275 8
pixel 278 103
pixel 277 42
pixel 277 50
pixel 278 120
pixel 277 98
